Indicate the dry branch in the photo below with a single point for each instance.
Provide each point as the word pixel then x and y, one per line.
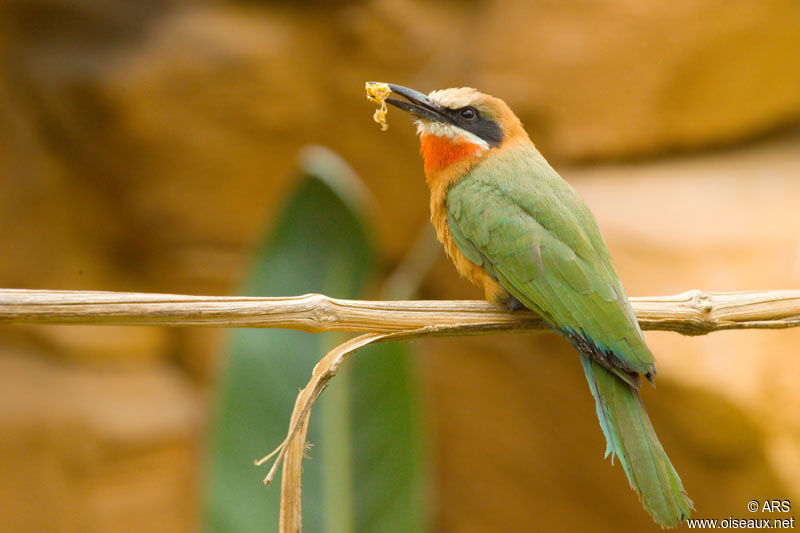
pixel 689 313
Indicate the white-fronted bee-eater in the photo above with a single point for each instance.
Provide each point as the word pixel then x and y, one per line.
pixel 511 225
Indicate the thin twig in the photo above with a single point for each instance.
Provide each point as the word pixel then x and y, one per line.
pixel 690 313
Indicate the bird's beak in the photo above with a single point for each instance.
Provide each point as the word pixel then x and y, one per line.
pixel 418 104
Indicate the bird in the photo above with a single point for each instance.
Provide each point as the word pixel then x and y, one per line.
pixel 514 227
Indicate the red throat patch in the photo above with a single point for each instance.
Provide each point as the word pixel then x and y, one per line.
pixel 440 152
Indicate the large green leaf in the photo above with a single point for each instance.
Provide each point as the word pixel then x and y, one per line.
pixel 388 444
pixel 366 471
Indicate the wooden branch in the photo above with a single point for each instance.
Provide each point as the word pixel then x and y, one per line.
pixel 689 313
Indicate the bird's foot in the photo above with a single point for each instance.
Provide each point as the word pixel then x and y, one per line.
pixel 514 304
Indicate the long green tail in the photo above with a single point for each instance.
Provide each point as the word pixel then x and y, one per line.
pixel 630 436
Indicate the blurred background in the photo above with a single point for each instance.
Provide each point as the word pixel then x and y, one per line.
pixel 148 146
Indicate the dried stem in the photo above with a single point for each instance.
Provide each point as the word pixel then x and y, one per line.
pixel 293 447
pixel 689 313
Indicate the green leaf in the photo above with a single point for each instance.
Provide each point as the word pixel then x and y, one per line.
pixel 366 470
pixel 389 441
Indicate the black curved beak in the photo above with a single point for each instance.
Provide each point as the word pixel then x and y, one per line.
pixel 418 104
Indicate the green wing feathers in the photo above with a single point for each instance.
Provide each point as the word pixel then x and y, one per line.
pixel 515 217
pixel 555 271
pixel 630 436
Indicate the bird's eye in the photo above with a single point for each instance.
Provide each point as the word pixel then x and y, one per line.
pixel 468 113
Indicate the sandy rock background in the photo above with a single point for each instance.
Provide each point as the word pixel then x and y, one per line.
pixel 144 146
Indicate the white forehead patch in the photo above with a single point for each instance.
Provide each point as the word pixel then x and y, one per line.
pixel 454 98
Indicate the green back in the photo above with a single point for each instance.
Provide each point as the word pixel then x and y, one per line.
pixel 515 216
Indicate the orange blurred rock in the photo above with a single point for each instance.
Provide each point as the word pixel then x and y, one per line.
pixel 89 450
pixel 104 345
pixel 610 79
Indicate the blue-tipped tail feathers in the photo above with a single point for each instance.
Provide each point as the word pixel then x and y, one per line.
pixel 630 436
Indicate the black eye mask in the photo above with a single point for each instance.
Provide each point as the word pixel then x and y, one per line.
pixel 485 128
